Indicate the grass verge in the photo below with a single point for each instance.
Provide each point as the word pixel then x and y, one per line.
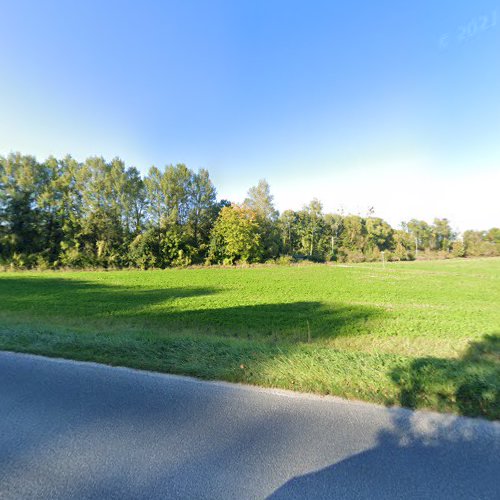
pixel 467 386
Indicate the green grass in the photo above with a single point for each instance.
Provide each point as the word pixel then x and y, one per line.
pixel 418 334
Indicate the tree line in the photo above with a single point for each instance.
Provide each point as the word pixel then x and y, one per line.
pixel 65 213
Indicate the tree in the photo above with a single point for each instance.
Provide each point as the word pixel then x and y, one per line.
pixel 403 245
pixel 103 236
pixel 176 189
pixel 260 200
pixel 155 197
pixel 493 235
pixel 169 194
pixel 334 225
pixel 379 233
pixel 235 235
pixel 203 210
pixel 97 213
pixel 22 180
pixel 421 233
pixel 443 235
pixel 353 239
pixel 478 243
pixel 71 213
pixel 311 227
pixel 133 201
pixel 288 230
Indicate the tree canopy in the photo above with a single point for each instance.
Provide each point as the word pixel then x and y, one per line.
pixel 98 213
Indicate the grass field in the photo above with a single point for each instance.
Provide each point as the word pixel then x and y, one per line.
pixel 417 334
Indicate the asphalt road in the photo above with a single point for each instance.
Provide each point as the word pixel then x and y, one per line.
pixel 81 430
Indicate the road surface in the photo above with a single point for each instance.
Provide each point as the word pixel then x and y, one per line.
pixel 82 430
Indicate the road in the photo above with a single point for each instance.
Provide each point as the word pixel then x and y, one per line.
pixel 82 430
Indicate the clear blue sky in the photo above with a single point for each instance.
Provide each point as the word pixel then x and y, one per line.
pixel 394 105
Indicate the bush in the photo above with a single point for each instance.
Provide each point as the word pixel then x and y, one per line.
pixel 401 253
pixel 373 255
pixel 443 254
pixel 458 249
pixel 19 261
pixel 42 263
pixel 389 256
pixel 182 260
pixel 284 260
pixel 353 256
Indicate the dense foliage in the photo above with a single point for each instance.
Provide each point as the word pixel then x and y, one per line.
pixel 62 213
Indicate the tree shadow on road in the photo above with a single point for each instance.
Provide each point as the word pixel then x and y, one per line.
pixel 83 431
pixel 422 456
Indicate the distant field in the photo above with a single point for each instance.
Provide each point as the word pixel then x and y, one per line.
pixel 418 334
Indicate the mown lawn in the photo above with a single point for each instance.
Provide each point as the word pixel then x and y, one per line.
pixel 418 334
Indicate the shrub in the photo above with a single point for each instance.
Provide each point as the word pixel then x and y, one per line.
pixel 458 249
pixel 354 256
pixel 284 260
pixel 372 254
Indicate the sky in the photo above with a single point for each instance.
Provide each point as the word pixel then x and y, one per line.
pixel 391 105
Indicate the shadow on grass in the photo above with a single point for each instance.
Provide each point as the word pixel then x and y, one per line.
pixel 107 308
pixel 181 330
pixel 469 385
pixel 65 296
